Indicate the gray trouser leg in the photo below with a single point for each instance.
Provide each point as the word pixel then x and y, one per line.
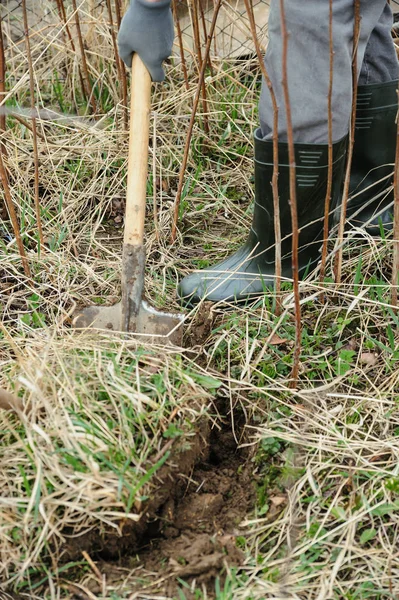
pixel 380 63
pixel 309 64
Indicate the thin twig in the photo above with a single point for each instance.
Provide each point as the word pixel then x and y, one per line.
pixel 345 193
pixel 395 261
pixel 124 94
pixel 27 125
pixel 197 40
pixel 3 123
pixel 113 37
pixel 205 35
pixel 34 128
pixel 191 124
pixel 92 565
pixel 154 176
pixel 276 203
pixel 58 2
pixel 13 217
pixel 181 47
pixel 293 203
pixel 118 13
pixel 86 77
pixel 119 65
pixel 196 33
pixel 330 150
pixel 215 36
pixel 2 80
pixel 63 15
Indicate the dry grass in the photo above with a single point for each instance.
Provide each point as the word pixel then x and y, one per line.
pixel 98 414
pixel 325 523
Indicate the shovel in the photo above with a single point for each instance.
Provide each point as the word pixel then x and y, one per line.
pixel 133 313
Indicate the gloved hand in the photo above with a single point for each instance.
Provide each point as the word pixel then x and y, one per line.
pixel 147 28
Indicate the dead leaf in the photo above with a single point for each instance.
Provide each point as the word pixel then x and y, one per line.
pixel 350 345
pixel 10 402
pixel 277 340
pixel 174 564
pixel 384 456
pixel 369 358
pixel 163 183
pixel 278 500
pixel 78 592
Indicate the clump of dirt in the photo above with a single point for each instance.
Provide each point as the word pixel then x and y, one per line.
pixel 117 210
pixel 201 325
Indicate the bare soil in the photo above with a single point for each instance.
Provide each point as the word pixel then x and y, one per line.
pixel 193 535
pixel 108 544
pixel 199 525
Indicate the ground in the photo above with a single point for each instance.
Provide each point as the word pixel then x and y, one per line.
pixel 137 471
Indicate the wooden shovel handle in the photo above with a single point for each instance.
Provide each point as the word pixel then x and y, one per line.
pixel 138 153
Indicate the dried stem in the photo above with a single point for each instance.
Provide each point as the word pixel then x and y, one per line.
pixel 86 77
pixel 3 149
pixel 196 34
pixel 124 94
pixel 154 176
pixel 276 204
pixel 2 79
pixel 27 125
pixel 197 40
pixel 113 36
pixel 13 217
pixel 118 13
pixel 395 265
pixel 215 47
pixel 191 124
pixel 119 65
pixel 34 126
pixel 345 193
pixel 181 47
pixel 330 149
pixel 205 34
pixel 293 203
pixel 61 9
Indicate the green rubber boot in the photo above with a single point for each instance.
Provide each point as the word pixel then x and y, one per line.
pixel 370 203
pixel 251 270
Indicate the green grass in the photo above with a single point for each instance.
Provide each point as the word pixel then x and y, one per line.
pixel 87 453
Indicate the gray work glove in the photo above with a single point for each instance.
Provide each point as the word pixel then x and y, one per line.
pixel 147 28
